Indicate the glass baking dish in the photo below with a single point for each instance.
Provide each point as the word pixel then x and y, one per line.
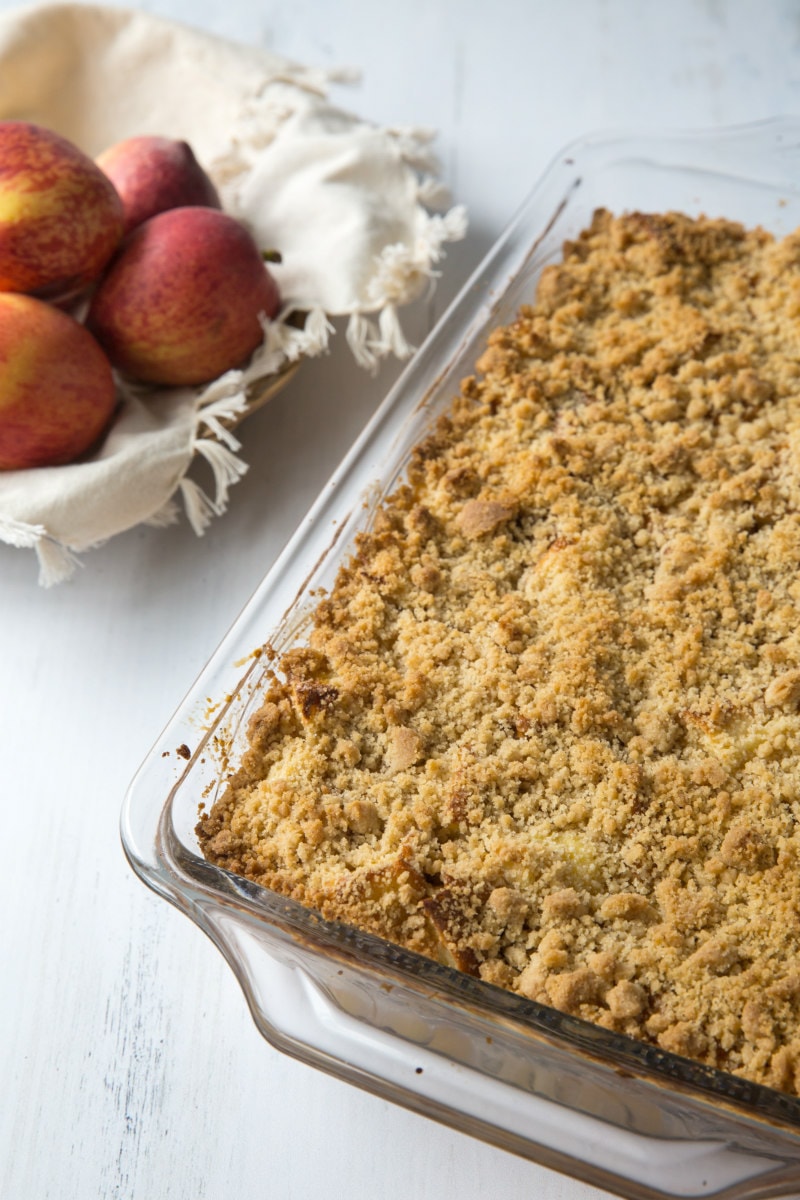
pixel 606 1109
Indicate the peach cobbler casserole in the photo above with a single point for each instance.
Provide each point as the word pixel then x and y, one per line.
pixel 546 725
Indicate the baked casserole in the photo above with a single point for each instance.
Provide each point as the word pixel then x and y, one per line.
pixel 546 725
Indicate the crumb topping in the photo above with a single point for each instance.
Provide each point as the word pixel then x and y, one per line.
pixel 547 726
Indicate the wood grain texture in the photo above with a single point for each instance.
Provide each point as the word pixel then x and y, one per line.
pixel 131 1067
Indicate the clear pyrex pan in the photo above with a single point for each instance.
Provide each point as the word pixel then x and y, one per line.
pixel 614 1112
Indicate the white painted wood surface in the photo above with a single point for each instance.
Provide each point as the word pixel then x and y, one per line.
pixel 129 1063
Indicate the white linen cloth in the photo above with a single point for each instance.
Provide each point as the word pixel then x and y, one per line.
pixel 344 202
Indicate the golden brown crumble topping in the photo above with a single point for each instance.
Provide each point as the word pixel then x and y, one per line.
pixel 546 728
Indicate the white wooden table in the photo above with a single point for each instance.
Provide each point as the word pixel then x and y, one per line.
pixel 129 1063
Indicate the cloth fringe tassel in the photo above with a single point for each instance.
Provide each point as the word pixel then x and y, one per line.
pixel 165 516
pixel 363 336
pixel 400 271
pixel 218 448
pixel 199 509
pixel 226 400
pixel 371 340
pixel 56 561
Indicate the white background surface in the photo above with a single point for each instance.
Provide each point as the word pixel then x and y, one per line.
pixel 130 1066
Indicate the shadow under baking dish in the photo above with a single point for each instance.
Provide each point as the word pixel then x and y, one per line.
pixel 609 1110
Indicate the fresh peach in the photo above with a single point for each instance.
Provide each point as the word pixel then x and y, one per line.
pixel 56 386
pixel 181 302
pixel 60 216
pixel 154 174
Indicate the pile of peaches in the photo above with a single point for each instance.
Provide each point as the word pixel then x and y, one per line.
pixel 125 264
